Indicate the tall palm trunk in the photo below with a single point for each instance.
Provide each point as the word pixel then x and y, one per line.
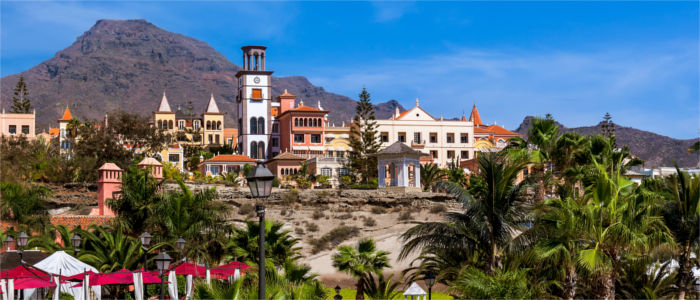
pixel 684 268
pixel 570 282
pixel 608 287
pixel 360 290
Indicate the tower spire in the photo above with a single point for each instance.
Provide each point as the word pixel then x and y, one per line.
pixel 164 105
pixel 474 117
pixel 211 106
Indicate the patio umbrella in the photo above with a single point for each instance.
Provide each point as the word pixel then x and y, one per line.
pixel 23 271
pixel 32 283
pixel 229 268
pixel 188 268
pixel 122 276
pixel 80 276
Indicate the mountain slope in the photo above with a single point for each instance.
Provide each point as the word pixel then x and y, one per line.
pixel 129 64
pixel 656 150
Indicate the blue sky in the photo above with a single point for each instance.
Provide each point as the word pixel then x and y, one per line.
pixel 575 60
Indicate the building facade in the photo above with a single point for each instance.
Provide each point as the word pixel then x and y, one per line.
pixel 489 137
pixel 18 124
pixel 444 140
pixel 302 131
pixel 187 127
pixel 255 104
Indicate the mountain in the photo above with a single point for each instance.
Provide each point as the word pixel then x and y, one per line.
pixel 655 149
pixel 128 64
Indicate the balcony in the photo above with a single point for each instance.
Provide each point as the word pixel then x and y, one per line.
pixel 418 143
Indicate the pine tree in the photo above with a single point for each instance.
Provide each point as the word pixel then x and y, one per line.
pixel 608 128
pixel 364 140
pixel 21 103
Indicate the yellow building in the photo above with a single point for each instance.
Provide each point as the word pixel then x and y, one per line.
pixel 187 128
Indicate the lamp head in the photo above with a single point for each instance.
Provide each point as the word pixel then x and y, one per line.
pixel 22 239
pixel 180 244
pixel 75 240
pixel 146 239
pixel 260 181
pixel 163 261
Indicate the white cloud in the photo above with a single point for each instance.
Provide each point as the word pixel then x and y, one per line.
pixel 576 87
pixel 385 11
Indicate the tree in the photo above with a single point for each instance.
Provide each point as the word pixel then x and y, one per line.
pixel 360 261
pixel 21 104
pixel 138 200
pixel 489 221
pixel 503 284
pixel 364 140
pixel 47 241
pixel 543 133
pixel 430 174
pixel 382 288
pixel 134 131
pixel 607 126
pixel 24 205
pixel 682 215
pixel 280 246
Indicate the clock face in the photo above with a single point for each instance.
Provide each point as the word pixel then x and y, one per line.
pixel 256 79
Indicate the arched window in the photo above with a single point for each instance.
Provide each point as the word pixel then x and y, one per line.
pixel 196 125
pixel 296 122
pixel 253 150
pixel 160 124
pixel 218 125
pixel 320 122
pixel 208 125
pixel 170 124
pixel 261 150
pixel 253 125
pixel 306 122
pixel 261 125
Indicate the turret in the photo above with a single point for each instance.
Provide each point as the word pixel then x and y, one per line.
pixel 108 183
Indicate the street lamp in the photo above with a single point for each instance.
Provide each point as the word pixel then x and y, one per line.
pixel 180 245
pixel 260 184
pixel 163 263
pixel 429 281
pixel 145 242
pixel 21 242
pixel 75 241
pixel 7 241
pixel 337 293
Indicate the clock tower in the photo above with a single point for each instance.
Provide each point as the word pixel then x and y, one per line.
pixel 254 101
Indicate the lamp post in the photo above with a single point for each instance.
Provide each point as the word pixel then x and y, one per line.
pixel 8 240
pixel 163 263
pixel 75 241
pixel 429 281
pixel 145 242
pixel 21 242
pixel 260 184
pixel 337 293
pixel 180 245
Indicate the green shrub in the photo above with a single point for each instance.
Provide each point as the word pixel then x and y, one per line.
pixel 438 208
pixel 333 238
pixel 317 214
pixel 246 208
pixel 290 196
pixel 303 183
pixel 370 222
pixel 276 182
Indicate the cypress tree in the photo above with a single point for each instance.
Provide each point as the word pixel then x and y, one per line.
pixel 364 140
pixel 20 101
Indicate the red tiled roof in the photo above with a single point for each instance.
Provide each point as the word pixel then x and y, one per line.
pixel 286 94
pixel 230 158
pixel 54 132
pixel 402 114
pixel 287 156
pixel 498 130
pixel 72 221
pixel 66 115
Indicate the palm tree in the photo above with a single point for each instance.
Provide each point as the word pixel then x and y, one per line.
pixel 140 195
pixel 109 249
pixel 558 227
pixel 381 288
pixel 280 246
pixel 617 221
pixel 682 216
pixel 430 174
pixel 490 218
pixel 360 261
pixel 543 133
pixel 47 240
pixel 473 283
pixel 24 204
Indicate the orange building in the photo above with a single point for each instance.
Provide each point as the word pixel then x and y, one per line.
pixel 301 130
pixel 488 137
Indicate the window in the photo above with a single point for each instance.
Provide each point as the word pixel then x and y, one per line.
pixel 316 138
pixel 13 129
pixel 343 172
pixel 275 128
pixel 298 138
pixel 416 138
pixel 196 125
pixel 257 94
pixel 253 125
pixel 261 125
pixel 253 150
pixel 25 129
pixel 181 124
pixel 229 141
pixel 296 122
pixel 174 158
pixel 196 138
pixel 216 139
pixel 340 154
pixel 275 142
pixel 261 150
pixel 385 137
pixel 328 172
pixel 465 155
pixel 450 154
pixel 450 138
pixel 170 124
pixel 214 170
pixel 218 125
pixel 434 154
pixel 433 137
pixel 211 139
pixel 402 137
pixel 464 138
pixel 501 143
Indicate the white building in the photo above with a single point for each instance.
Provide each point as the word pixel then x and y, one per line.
pixel 443 140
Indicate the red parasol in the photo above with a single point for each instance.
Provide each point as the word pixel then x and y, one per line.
pixel 80 276
pixel 187 268
pixel 229 268
pixel 122 276
pixel 23 271
pixel 32 283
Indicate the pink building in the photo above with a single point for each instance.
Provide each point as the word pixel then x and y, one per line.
pixel 109 183
pixel 13 124
pixel 284 164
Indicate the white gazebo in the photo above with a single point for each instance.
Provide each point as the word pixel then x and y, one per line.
pixel 399 166
pixel 62 263
pixel 415 292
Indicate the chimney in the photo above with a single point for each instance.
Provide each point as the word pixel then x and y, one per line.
pixel 109 181
pixel 156 167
